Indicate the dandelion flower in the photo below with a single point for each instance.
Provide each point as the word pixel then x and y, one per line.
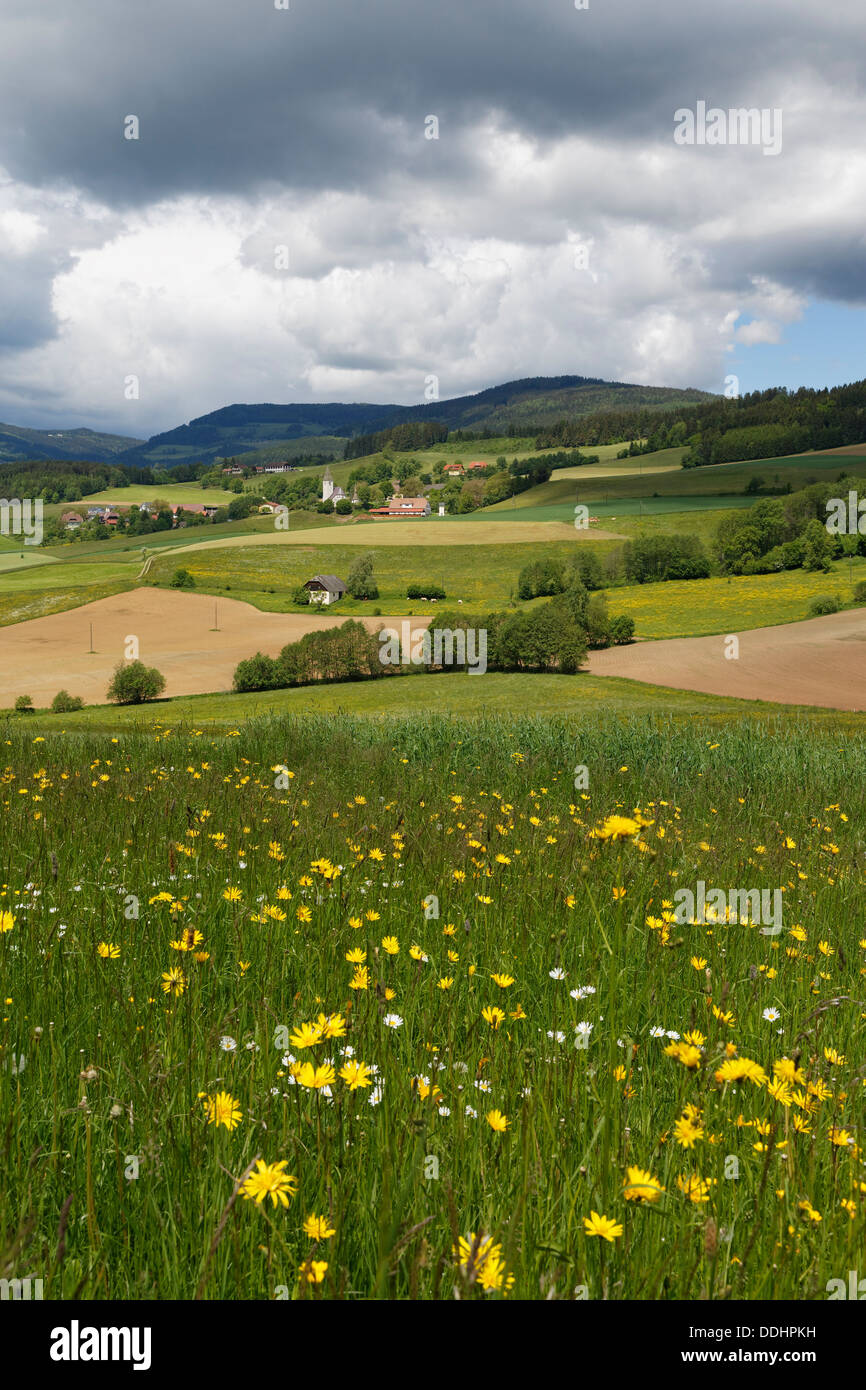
pixel 269 1180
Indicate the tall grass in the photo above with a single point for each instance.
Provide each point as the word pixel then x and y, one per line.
pixel 115 1184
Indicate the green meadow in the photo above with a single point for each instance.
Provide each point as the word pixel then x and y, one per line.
pixel 330 1006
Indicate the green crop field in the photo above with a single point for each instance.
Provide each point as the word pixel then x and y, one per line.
pixel 316 1003
pixel 698 607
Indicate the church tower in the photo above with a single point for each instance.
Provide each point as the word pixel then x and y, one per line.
pixel 327 485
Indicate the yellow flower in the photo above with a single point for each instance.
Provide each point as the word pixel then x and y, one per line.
pixel 493 1015
pixel 331 1025
pixel 446 982
pixel 313 1271
pixel 108 950
pixel 360 979
pixel 7 921
pixel 303 914
pixel 318 1228
pixel 481 1261
pixel 269 1180
pixel 314 1078
pixel 222 1109
pixel 604 1226
pixel 687 1132
pixel 306 1036
pixel 356 956
pixel 391 945
pixel 617 828
pixel 696 1188
pixel 741 1069
pixel 174 980
pixel 356 1074
pixel 689 1055
pixel 503 981
pixel 497 1121
pixel 641 1186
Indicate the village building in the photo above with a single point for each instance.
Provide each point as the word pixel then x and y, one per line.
pixel 403 506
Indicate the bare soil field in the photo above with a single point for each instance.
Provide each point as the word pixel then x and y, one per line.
pixel 40 657
pixel 818 662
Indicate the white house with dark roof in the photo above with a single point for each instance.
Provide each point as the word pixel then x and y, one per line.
pixel 325 589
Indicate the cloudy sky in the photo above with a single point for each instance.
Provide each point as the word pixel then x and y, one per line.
pixel 285 229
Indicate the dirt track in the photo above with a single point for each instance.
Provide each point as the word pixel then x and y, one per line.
pixel 819 662
pixel 40 657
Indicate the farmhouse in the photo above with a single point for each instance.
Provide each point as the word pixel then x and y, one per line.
pixel 71 521
pixel 194 508
pixel 454 470
pixel 403 506
pixel 325 589
pixel 478 463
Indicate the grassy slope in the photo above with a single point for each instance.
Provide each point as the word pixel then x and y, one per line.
pixel 458 696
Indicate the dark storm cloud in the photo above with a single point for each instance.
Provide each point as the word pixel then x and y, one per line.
pixel 333 93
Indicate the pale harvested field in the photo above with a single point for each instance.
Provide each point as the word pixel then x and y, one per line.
pixel 856 450
pixel 625 468
pixel 433 531
pixel 818 662
pixel 40 657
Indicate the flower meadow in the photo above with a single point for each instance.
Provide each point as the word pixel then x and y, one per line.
pixel 354 1009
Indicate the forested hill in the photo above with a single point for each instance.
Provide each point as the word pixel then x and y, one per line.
pixel 517 407
pixel 762 424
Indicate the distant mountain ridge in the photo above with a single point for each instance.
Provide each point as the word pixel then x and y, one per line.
pixel 532 401
pixel 18 443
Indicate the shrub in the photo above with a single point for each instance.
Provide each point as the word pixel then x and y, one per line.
pixel 540 580
pixel 343 507
pixel 425 591
pixel 24 705
pixel 64 703
pixel 181 579
pixel 133 683
pixel 621 630
pixel 649 558
pixel 860 592
pixel 301 595
pixel 259 672
pixel 823 604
